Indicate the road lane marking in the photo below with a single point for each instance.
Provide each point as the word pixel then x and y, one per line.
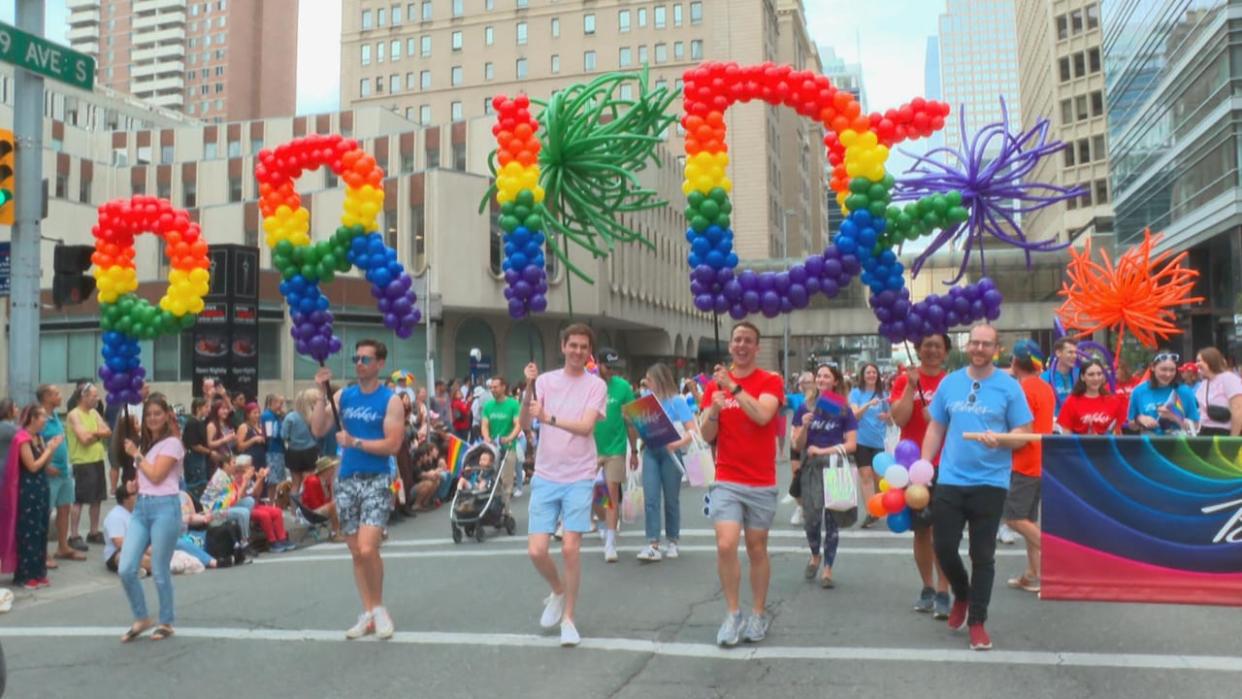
pixel 520 538
pixel 1131 661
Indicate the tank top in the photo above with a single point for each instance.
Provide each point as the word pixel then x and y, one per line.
pixel 89 453
pixel 257 452
pixel 362 416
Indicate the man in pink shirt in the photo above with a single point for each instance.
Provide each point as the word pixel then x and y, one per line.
pixel 567 403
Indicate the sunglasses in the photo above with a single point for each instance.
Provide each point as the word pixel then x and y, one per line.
pixel 1166 356
pixel 363 359
pixel 974 390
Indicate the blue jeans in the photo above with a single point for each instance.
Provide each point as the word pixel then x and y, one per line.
pixel 519 446
pixel 189 546
pixel 661 475
pixel 240 513
pixel 156 523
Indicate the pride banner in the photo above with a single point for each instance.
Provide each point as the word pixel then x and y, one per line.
pixel 1142 519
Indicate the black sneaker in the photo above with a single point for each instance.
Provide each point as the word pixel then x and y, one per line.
pixel 870 521
pixel 926 600
pixel 96 538
pixel 942 606
pixel 76 543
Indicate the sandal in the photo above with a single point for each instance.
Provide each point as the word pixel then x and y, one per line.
pixel 164 631
pixel 139 628
pixel 52 565
pixel 1019 583
pixel 827 583
pixel 71 556
pixel 810 571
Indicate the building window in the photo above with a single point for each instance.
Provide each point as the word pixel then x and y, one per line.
pixel 459 8
pixel 394 83
pixel 626 92
pixel 1097 103
pixel 626 57
pixel 521 68
pixel 366 54
pixel 433 157
pixel 166 154
pixel 623 20
pixel 395 50
pixel 1076 22
pixel 489 71
pixel 588 60
pixel 379 84
pixel 424 114
pixel 424 79
pixel 1093 60
pixel 457 41
pixel 409 47
pixel 426 10
pixel 380 14
pixel 1098 149
pixel 696 49
pixel 1062 27
pixel 489 35
pixel 489 5
pixel 364 87
pixel 459 154
pixel 1080 103
pixel 395 14
pixel 642 17
pixel 418 236
pixel 1093 22
pixel 677 15
pixel 211 150
pixel 487 105
pixel 62 186
pixel 235 189
pixel 407 159
pixel 1101 188
pixel 366 19
pixel 1064 65
pixel 455 76
pixel 521 33
pixel 556 64
pixel 455 114
pixel 588 23
pixel 661 16
pixel 84 190
pixel 1084 150
pixel 661 53
pixel 642 55
pixel 256 145
pixel 410 83
pixel 556 27
pixel 1080 65
pixel 234 149
pixel 1067 156
pixel 696 12
pixel 679 50
pixel 1085 200
pixel 380 51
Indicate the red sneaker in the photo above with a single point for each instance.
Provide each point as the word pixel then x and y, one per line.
pixel 31 584
pixel 44 582
pixel 957 615
pixel 979 638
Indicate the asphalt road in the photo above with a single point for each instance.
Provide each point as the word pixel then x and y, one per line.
pixel 467 620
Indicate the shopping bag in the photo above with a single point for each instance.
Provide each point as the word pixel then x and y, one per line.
pixel 632 498
pixel 840 484
pixel 698 463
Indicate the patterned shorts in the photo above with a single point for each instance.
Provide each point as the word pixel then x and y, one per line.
pixel 363 499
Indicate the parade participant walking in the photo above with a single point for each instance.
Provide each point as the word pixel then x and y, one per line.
pixel 1063 377
pixel 1022 503
pixel 739 409
pixel 823 428
pixel 88 436
pixel 872 412
pixel 1091 409
pixel 662 471
pixel 973 477
pixel 500 425
pixel 612 436
pixel 567 402
pixel 370 432
pixel 59 477
pixel 156 518
pixel 1163 404
pixel 912 393
pixel 1219 395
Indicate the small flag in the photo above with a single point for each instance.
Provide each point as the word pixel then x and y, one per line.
pixel 830 404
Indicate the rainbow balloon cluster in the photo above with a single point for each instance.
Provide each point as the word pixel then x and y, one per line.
pixel 126 317
pixel 858 147
pixel 304 266
pixel 904 489
pixel 521 206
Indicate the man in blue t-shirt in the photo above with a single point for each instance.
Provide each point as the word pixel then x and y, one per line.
pixel 273 414
pixel 1063 377
pixel 974 474
pixel 59 475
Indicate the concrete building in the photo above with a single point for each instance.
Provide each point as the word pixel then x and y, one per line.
pixel 217 60
pixel 437 176
pixel 978 64
pixel 1062 79
pixel 1171 73
pixel 846 76
pixel 802 166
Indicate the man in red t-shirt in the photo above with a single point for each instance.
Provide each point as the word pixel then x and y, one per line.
pixel 739 414
pixel 1022 503
pixel 912 395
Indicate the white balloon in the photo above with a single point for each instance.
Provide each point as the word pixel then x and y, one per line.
pixel 897 476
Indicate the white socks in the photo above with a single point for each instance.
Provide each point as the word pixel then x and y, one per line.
pixel 610 537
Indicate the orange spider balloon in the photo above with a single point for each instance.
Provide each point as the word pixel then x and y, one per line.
pixel 1137 295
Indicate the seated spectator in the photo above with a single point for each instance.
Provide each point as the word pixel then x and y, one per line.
pixel 233 492
pixel 114 528
pixel 193 525
pixel 317 495
pixel 430 473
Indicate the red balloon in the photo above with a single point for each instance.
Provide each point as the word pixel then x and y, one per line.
pixel 895 500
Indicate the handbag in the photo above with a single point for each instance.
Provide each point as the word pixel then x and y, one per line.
pixel 1216 413
pixel 632 502
pixel 840 484
pixel 698 463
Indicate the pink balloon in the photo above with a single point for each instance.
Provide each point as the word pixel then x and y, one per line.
pixel 922 472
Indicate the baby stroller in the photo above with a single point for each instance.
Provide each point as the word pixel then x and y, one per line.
pixel 474 510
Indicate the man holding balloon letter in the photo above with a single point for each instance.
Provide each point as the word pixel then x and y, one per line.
pixel 974 476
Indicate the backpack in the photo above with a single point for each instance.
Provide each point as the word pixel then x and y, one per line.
pixel 224 543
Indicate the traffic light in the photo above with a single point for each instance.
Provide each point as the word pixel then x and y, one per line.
pixel 70 282
pixel 8 179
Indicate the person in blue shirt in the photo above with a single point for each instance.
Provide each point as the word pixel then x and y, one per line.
pixel 1064 373
pixel 872 412
pixel 662 470
pixel 974 475
pixel 1163 404
pixel 271 419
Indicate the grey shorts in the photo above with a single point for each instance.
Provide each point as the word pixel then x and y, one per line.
pixel 1023 499
pixel 752 507
pixel 362 499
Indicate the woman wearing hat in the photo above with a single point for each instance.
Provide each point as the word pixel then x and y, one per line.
pixel 317 494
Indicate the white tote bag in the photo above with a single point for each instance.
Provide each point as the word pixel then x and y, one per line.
pixel 698 462
pixel 840 484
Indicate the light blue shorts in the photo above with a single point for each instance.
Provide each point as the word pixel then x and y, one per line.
pixel 551 501
pixel 60 491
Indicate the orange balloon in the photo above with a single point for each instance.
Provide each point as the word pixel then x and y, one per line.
pixel 875 505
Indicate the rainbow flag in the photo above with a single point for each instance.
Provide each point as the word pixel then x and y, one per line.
pixel 830 404
pixel 456 456
pixel 1174 404
pixel 231 496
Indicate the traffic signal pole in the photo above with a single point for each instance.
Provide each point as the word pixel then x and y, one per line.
pixel 26 273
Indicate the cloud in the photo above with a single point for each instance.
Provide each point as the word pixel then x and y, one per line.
pixel 319 56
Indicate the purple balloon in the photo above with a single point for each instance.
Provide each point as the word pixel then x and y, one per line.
pixel 703 302
pixel 733 290
pixel 751 300
pixel 720 304
pixel 770 302
pixel 992 298
pixel 833 269
pixel 334 345
pixel 737 312
pixel 749 280
pixel 523 290
pixel 539 302
pixel 798 295
pixel 509 293
pixel 781 282
pixel 812 285
pixel 814 266
pixel 994 313
pixel 697 287
pixel 767 282
pixel 828 287
pixel 517 309
pixel 906 453
pixel 391 320
pixel 850 265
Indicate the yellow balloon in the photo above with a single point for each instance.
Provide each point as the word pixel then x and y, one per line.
pixel 884 485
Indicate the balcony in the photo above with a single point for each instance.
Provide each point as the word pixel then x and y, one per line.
pixel 163 52
pixel 72 5
pixel 153 21
pixel 160 36
pixel 83 32
pixel 158 86
pixel 144 6
pixel 171 100
pixel 83 17
pixel 151 71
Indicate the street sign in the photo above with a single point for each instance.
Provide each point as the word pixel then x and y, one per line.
pixel 41 56
pixel 4 268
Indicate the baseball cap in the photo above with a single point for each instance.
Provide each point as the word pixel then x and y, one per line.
pixel 610 357
pixel 1027 348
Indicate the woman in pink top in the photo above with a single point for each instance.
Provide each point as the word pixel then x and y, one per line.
pixel 1219 394
pixel 156 518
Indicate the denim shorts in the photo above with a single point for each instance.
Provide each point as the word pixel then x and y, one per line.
pixel 363 499
pixel 550 501
pixel 60 491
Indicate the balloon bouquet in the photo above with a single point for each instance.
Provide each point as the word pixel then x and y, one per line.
pixel 904 487
pixel 124 316
pixel 357 242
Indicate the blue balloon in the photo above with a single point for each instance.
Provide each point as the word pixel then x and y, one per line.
pixel 899 522
pixel 715 259
pixel 882 461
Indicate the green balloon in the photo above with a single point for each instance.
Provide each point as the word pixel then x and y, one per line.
pixel 710 210
pixel 958 214
pixel 877 208
pixel 855 202
pixel 309 272
pixel 187 320
pixel 695 199
pixel 699 223
pixel 931 220
pixel 534 222
pixel 719 195
pixel 522 212
pixel 326 274
pixel 327 260
pixel 860 185
pixel 888 181
pixel 526 198
pixel 726 207
pixel 722 220
pixel 287 273
pixel 877 192
pixel 692 210
pixel 953 197
pixel 939 205
pixel 508 223
pixel 284 248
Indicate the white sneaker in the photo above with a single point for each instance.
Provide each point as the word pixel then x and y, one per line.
pixel 517 492
pixel 1005 535
pixel 559 533
pixel 553 610
pixel 649 553
pixel 786 499
pixel 569 634
pixel 670 551
pixel 610 554
pixel 796 520
pixel 603 536
pixel 364 626
pixel 383 623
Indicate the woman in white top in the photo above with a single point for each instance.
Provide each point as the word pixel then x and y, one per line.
pixel 1219 395
pixel 156 518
